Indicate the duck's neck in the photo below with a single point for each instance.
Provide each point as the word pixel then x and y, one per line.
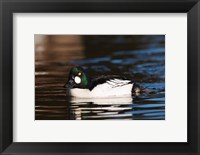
pixel 86 82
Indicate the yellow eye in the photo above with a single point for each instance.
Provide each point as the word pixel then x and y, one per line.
pixel 79 73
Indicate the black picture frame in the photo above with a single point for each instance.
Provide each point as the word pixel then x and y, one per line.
pixel 8 7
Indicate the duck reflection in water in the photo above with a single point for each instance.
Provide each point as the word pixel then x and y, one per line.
pixel 100 108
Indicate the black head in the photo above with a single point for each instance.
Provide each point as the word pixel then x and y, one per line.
pixel 77 79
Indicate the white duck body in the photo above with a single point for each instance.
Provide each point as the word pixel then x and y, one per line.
pixel 111 88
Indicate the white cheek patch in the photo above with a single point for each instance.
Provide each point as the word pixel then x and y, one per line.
pixel 77 80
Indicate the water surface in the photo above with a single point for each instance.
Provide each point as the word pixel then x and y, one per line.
pixel 141 58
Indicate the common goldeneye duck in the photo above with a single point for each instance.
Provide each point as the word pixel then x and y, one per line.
pixel 82 86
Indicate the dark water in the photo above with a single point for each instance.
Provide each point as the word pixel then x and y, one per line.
pixel 141 58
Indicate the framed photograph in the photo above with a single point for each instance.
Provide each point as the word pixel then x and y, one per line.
pixel 104 77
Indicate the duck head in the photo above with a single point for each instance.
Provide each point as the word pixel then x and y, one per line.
pixel 77 79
